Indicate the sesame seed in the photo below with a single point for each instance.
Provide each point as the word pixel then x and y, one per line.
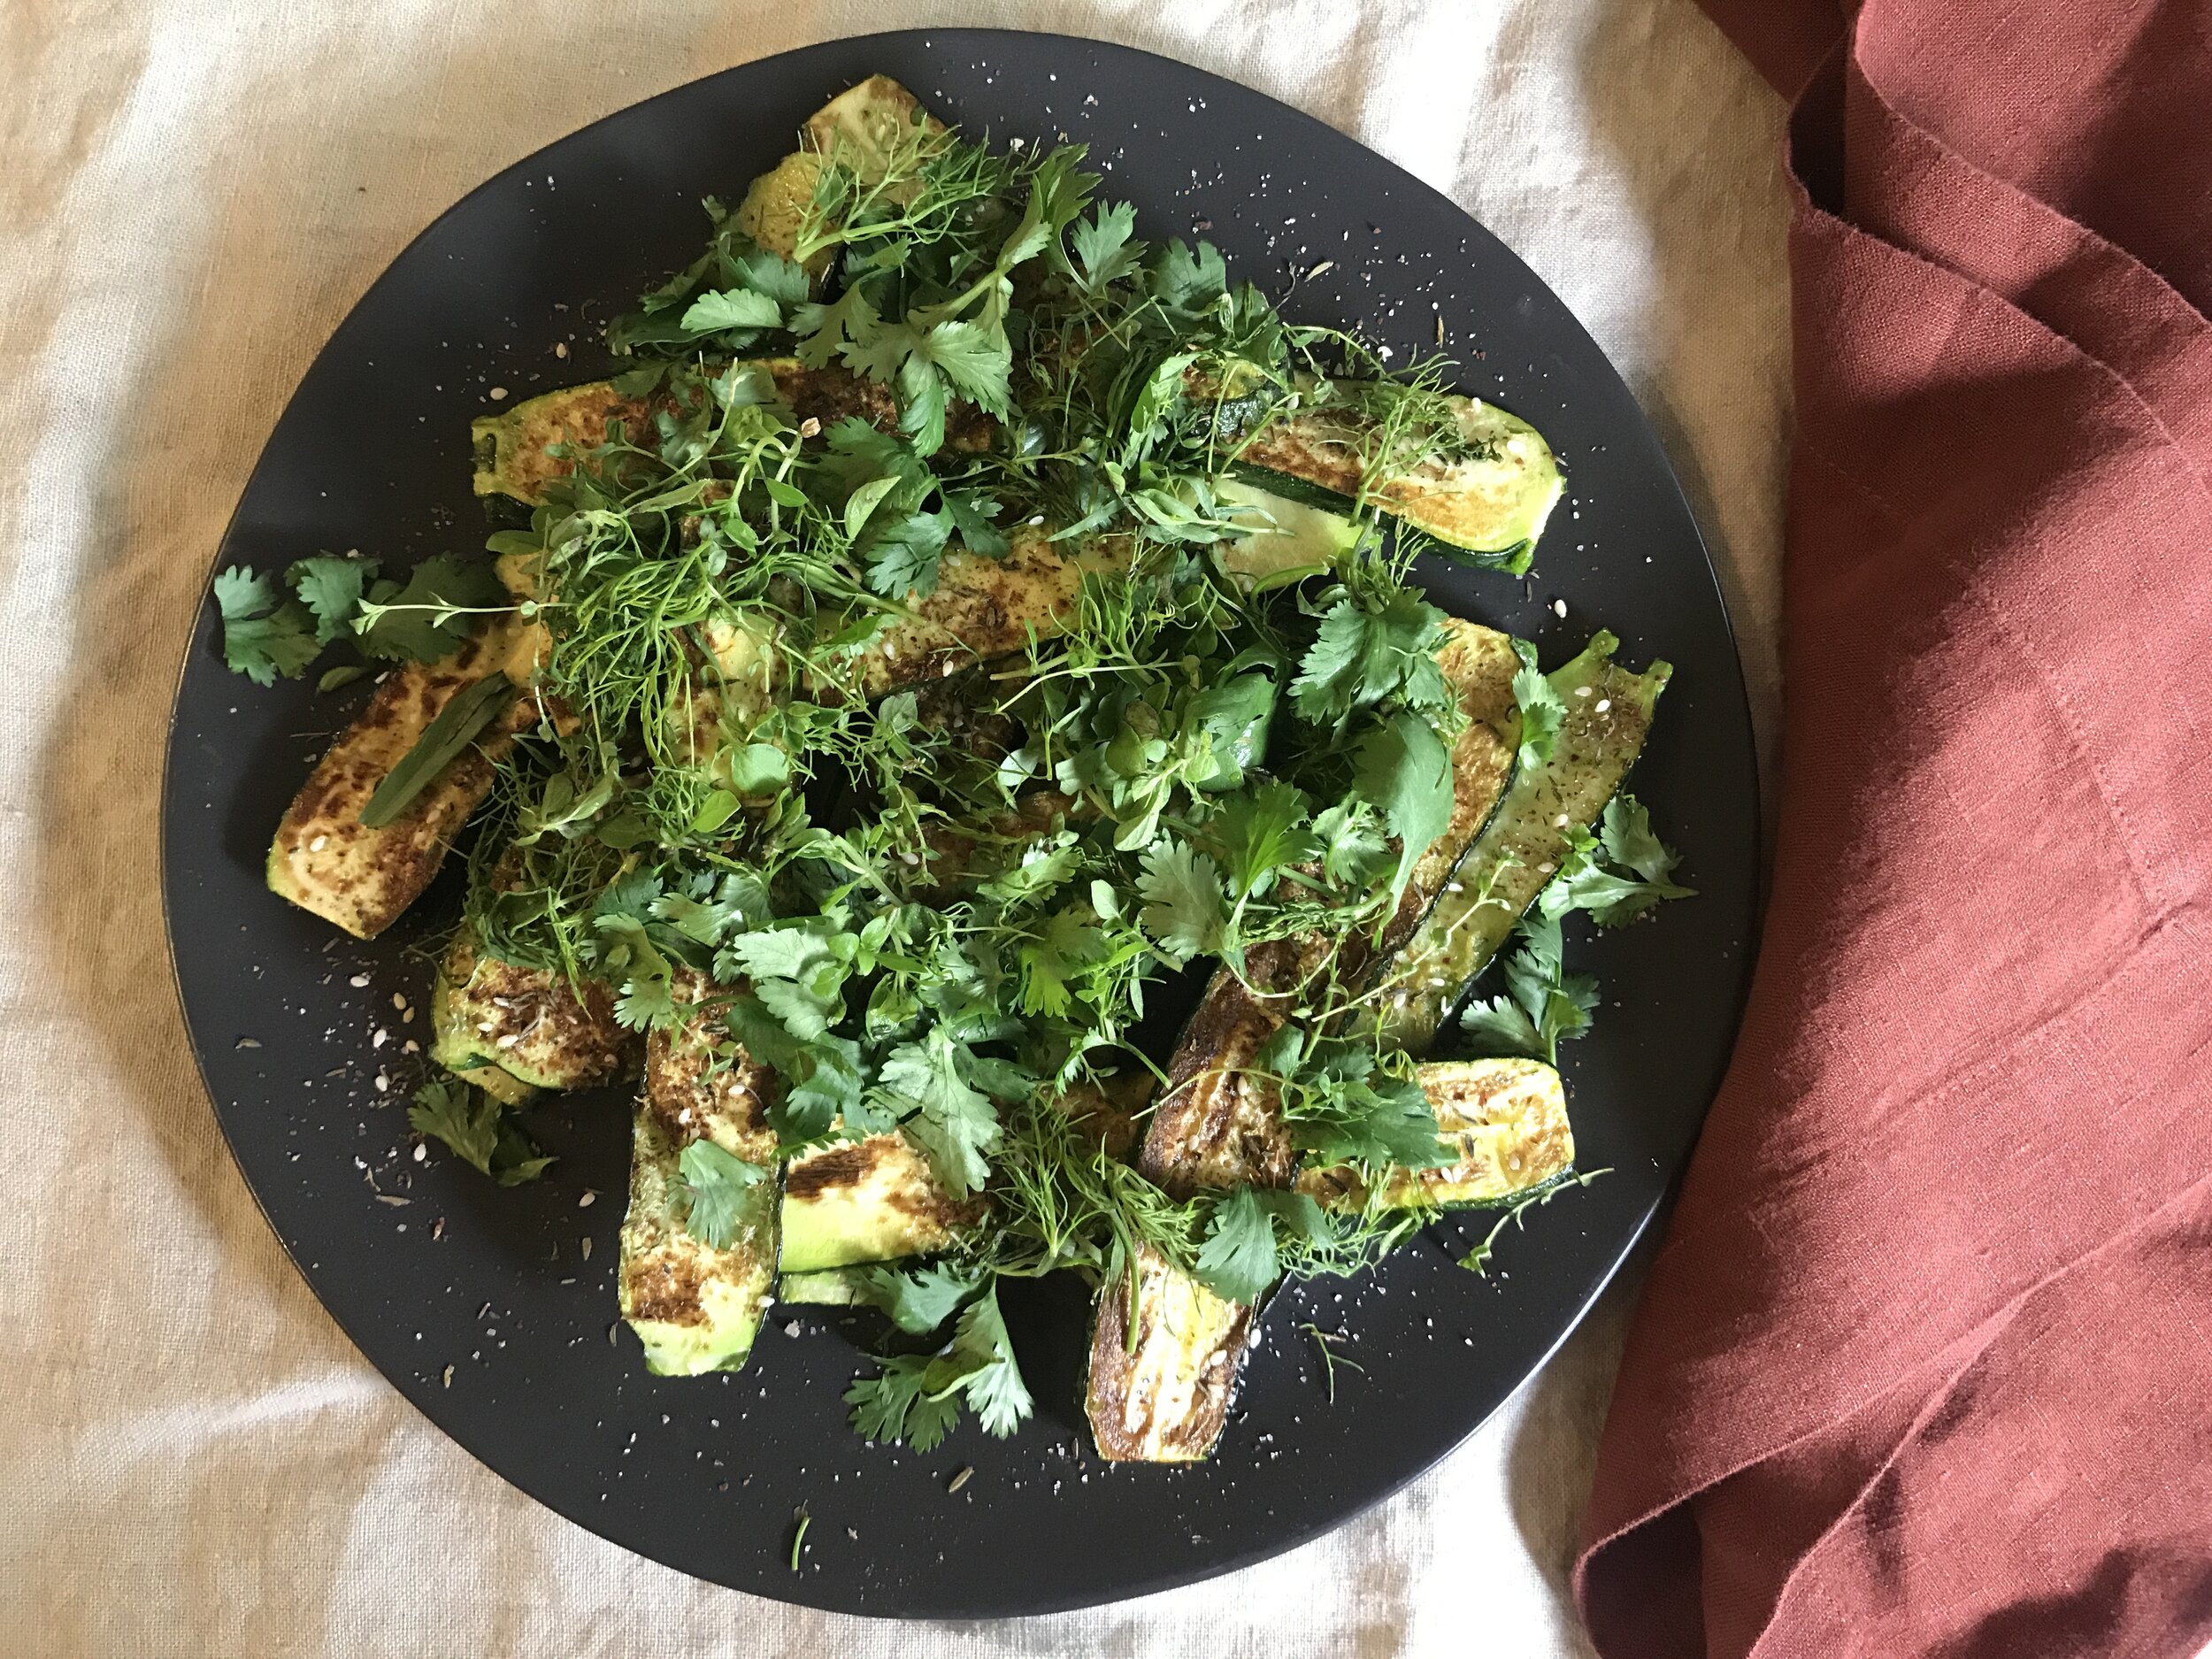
pixel 448 1377
pixel 359 980
pixel 509 1040
pixel 383 1083
pixel 1604 704
pixel 381 1038
pixel 588 1200
pixel 560 348
pixel 318 843
pixel 1559 607
pixel 497 394
pixel 399 1001
pixel 1582 691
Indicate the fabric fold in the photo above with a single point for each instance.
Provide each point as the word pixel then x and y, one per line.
pixel 1982 1024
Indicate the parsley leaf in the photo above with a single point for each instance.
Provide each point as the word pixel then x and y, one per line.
pixel 717 1180
pixel 1183 911
pixel 261 636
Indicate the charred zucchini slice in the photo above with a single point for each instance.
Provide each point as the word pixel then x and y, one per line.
pixel 324 859
pixel 531 1023
pixel 696 1306
pixel 1493 495
pixel 1218 1126
pixel 866 1201
pixel 1609 714
pixel 1505 1118
pixel 1164 1355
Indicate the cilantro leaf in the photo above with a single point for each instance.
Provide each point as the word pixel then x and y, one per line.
pixel 1406 771
pixel 331 588
pixel 1239 1260
pixel 733 309
pixel 1104 248
pixel 242 592
pixel 1352 1110
pixel 1068 943
pixel 1542 709
pixel 1187 282
pixel 645 978
pixel 262 637
pixel 1359 657
pixel 895 1406
pixel 918 1399
pixel 983 1358
pixel 1183 913
pixel 475 1127
pixel 956 1125
pixel 1261 832
pixel 923 396
pixel 825 332
pixel 1352 842
pixel 919 1299
pixel 1500 1025
pixel 976 361
pixel 717 1181
pixel 1617 877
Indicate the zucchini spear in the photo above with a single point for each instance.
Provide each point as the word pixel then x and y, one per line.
pixel 1164 1349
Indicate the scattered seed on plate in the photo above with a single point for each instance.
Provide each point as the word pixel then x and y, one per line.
pixel 960 1479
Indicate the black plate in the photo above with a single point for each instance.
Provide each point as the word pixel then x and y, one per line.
pixel 706 1475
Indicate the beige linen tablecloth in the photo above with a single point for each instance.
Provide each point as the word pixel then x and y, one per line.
pixel 192 193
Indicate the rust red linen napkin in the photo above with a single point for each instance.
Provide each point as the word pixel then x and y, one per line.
pixel 1925 1362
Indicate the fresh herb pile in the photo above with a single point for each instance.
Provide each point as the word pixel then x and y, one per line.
pixel 951 908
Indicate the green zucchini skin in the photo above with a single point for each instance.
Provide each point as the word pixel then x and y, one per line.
pixel 1608 716
pixel 695 1307
pixel 1506 1120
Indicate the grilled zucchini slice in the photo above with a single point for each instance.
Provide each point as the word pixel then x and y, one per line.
pixel 1609 715
pixel 1164 1355
pixel 696 1307
pixel 324 859
pixel 531 1023
pixel 1220 1126
pixel 1506 1120
pixel 867 1201
pixel 1493 498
